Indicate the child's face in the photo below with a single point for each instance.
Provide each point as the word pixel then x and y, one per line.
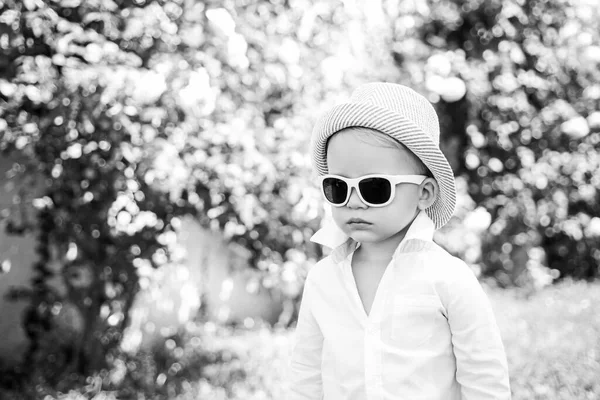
pixel 351 156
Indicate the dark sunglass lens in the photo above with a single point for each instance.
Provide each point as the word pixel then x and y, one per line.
pixel 375 190
pixel 335 190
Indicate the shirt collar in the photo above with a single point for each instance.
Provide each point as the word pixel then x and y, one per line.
pixel 330 235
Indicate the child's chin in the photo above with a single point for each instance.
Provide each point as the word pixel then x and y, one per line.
pixel 364 236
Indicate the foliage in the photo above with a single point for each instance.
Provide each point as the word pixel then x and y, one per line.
pixel 200 361
pixel 99 223
pixel 130 114
pixel 522 79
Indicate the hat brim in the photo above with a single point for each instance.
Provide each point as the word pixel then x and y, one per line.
pixel 367 115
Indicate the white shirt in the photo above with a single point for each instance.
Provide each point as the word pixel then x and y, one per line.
pixel 431 333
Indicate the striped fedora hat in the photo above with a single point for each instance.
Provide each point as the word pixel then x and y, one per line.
pixel 403 114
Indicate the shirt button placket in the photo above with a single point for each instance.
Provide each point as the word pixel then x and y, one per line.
pixel 373 379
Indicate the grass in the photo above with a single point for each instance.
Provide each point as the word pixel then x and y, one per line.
pixel 552 340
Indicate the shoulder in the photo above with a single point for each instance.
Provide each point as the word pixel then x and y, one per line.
pixel 455 282
pixel 448 268
pixel 440 256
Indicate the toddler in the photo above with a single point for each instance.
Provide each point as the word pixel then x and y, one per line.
pixel 389 314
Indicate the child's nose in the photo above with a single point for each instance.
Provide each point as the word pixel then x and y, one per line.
pixel 354 201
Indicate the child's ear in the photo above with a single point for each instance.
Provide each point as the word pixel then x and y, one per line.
pixel 428 192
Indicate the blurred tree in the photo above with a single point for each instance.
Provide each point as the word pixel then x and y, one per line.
pixel 132 113
pixel 98 222
pixel 528 71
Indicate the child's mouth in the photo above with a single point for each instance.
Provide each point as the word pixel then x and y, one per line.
pixel 358 221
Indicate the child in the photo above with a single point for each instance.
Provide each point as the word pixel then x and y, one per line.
pixel 389 314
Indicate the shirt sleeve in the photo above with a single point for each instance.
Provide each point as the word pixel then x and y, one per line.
pixel 481 366
pixel 305 369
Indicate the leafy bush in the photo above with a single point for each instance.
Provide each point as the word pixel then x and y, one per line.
pixel 518 85
pixel 200 361
pixel 131 114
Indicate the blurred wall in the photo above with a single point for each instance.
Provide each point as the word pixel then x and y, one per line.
pixel 231 290
pixel 212 268
pixel 18 254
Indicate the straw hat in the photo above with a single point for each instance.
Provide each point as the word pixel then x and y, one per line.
pixel 403 114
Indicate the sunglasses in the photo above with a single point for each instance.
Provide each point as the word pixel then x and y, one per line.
pixel 375 190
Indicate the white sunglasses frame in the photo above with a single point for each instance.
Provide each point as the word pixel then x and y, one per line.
pixel 352 183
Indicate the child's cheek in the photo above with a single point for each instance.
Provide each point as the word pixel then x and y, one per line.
pixel 339 218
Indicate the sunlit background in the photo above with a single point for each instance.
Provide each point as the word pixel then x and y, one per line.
pixel 157 197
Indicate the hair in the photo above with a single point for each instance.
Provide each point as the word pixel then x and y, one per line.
pixel 373 136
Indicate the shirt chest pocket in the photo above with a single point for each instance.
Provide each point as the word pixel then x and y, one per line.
pixel 414 319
